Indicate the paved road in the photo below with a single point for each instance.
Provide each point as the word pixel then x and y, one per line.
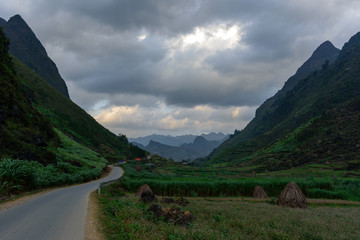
pixel 57 215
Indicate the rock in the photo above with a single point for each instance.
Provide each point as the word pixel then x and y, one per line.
pixel 174 214
pixel 178 216
pixel 157 210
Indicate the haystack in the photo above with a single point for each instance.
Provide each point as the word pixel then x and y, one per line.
pixel 142 189
pixel 148 197
pixel 146 194
pixel 259 192
pixel 292 196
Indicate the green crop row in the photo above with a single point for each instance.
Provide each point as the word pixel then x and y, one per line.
pixel 172 185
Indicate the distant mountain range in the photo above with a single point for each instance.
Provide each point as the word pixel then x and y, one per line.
pixel 186 147
pixel 177 140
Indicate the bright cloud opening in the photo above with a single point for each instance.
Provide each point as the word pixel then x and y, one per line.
pixel 141 37
pixel 217 37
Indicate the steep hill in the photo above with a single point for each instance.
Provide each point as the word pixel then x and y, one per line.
pixel 293 109
pixel 24 133
pixel 331 140
pixel 25 46
pixel 71 119
pixel 33 63
pixel 262 121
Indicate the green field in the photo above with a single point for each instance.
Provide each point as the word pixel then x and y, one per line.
pixel 186 181
pixel 224 209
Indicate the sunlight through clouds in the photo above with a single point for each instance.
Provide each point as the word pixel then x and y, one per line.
pixel 212 38
pixel 176 67
pixel 137 120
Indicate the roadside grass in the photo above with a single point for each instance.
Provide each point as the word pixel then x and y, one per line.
pixel 74 164
pixel 125 217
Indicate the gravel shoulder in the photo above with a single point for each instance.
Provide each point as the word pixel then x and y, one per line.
pixel 93 229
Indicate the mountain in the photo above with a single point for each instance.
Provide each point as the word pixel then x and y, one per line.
pixel 24 132
pixel 175 153
pixel 72 120
pixel 25 46
pixel 202 146
pixel 199 148
pixel 177 140
pixel 59 111
pixel 264 118
pixel 284 124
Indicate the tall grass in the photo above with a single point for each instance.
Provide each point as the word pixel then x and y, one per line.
pixel 172 185
pixel 75 164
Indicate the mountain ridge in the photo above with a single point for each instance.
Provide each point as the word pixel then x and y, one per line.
pixel 177 140
pixel 302 126
pixel 264 120
pixel 25 46
pixel 200 147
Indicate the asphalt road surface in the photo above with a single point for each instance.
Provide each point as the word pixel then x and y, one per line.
pixel 59 214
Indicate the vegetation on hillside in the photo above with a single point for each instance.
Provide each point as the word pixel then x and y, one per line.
pixel 74 164
pixel 73 120
pixel 321 95
pixel 24 133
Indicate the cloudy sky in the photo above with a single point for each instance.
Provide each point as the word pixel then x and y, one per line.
pixel 185 66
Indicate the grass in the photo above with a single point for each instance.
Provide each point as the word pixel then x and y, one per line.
pixel 211 183
pixel 74 164
pixel 127 218
pixel 224 217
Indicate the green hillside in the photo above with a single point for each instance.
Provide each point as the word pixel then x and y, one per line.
pixel 73 120
pixel 24 133
pixel 264 119
pixel 273 135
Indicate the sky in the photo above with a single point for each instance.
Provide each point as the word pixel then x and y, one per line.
pixel 185 66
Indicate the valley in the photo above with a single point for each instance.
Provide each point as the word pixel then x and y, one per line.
pixel 301 149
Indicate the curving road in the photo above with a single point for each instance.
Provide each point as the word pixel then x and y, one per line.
pixel 57 215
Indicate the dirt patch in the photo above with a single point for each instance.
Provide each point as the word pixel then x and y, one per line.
pixel 93 230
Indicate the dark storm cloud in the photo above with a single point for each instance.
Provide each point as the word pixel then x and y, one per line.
pixel 132 53
pixel 274 32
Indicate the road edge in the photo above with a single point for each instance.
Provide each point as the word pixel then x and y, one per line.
pixel 93 227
